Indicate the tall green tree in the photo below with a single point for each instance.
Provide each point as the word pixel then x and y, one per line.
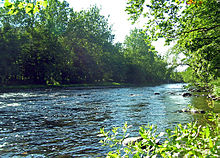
pixel 144 65
pixel 47 42
pixel 88 36
pixel 194 24
pixel 9 50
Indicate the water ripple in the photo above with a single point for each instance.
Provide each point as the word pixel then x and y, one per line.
pixel 50 123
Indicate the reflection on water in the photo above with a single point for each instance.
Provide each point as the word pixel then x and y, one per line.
pixel 53 122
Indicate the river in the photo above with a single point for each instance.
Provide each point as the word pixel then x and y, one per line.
pixel 66 121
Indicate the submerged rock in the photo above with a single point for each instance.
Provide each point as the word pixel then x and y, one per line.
pixel 53 123
pixel 195 90
pixel 186 94
pixel 171 93
pixel 184 110
pixel 191 111
pixel 213 97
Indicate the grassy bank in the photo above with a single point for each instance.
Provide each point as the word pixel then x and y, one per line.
pixel 101 84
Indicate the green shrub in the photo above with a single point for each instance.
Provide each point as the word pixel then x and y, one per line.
pixel 190 140
pixel 216 87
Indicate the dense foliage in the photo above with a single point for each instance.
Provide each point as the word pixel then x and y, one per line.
pixel 194 24
pixel 191 140
pixel 47 42
pixel 144 65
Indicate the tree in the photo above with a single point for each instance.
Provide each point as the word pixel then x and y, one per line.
pixel 39 53
pixel 194 24
pixel 87 38
pixel 30 7
pixel 9 50
pixel 54 44
pixel 144 65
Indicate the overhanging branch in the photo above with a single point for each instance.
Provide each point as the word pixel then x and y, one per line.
pixel 201 29
pixel 204 29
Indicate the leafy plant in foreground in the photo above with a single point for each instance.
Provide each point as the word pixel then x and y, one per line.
pixel 216 87
pixel 190 140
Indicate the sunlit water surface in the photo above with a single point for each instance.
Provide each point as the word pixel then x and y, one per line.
pixel 57 122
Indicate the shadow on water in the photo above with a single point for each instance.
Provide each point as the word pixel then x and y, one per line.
pixel 51 123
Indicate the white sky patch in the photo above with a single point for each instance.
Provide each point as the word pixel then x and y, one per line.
pixel 159 46
pixel 115 9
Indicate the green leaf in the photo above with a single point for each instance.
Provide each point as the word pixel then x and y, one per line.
pixel 177 1
pixel 210 143
pixel 45 3
pixel 114 130
pixel 7 4
pixel 36 9
pixel 21 5
pixel 190 153
pixel 29 8
pixel 207 132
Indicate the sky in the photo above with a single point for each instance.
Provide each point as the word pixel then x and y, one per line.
pixel 118 18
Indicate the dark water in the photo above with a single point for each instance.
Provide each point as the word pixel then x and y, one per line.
pixel 56 122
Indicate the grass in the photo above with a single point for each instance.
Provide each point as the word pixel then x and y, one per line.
pixel 33 86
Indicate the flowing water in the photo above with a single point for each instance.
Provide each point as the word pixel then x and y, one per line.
pixel 66 121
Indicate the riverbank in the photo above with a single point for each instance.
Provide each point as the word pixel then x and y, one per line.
pixel 80 86
pixel 32 86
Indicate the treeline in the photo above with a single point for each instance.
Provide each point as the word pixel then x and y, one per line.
pixel 58 45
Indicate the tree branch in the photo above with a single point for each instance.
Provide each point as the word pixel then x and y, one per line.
pixel 198 29
pixel 201 29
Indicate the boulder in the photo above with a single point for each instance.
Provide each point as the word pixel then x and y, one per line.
pixel 131 140
pixel 185 110
pixel 197 111
pixel 172 93
pixel 213 97
pixel 192 111
pixel 186 94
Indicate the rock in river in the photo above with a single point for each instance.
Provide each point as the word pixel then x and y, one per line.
pixel 186 94
pixel 131 140
pixel 192 111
